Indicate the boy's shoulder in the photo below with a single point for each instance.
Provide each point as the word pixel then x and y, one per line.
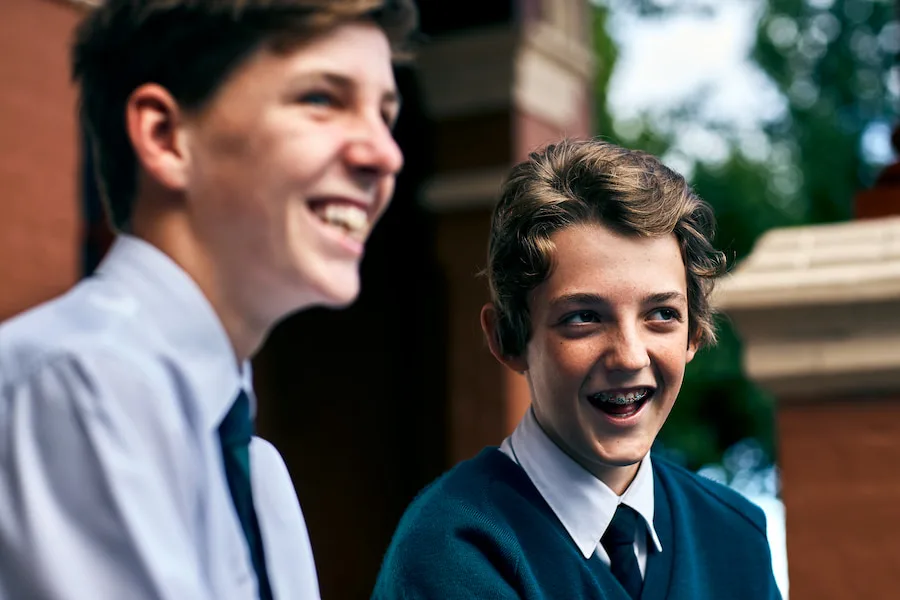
pixel 483 485
pixel 77 323
pixel 709 499
pixel 480 530
pixel 488 497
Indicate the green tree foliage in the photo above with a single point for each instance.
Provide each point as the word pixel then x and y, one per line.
pixel 832 62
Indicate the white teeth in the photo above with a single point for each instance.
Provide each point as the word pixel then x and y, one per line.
pixel 348 216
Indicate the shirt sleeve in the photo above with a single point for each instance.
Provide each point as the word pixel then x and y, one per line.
pixel 95 492
pixel 773 592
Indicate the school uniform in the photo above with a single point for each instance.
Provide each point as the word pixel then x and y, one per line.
pixel 526 521
pixel 117 476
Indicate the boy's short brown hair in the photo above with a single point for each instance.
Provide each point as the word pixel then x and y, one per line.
pixel 190 47
pixel 593 181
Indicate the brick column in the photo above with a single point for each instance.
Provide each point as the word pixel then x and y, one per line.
pixel 818 309
pixel 493 93
pixel 38 160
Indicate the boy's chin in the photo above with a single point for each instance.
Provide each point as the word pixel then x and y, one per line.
pixel 338 291
pixel 623 460
pixel 340 300
pixel 625 454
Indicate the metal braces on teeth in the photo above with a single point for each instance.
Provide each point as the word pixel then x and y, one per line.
pixel 622 400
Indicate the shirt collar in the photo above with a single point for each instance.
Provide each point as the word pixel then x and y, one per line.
pixel 583 504
pixel 174 306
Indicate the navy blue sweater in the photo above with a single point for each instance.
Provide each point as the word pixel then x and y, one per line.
pixel 483 530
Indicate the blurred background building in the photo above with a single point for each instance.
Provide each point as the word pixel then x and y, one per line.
pixel 779 111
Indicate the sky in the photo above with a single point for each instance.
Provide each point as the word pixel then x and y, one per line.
pixel 663 62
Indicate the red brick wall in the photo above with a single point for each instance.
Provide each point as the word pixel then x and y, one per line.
pixel 38 158
pixel 839 458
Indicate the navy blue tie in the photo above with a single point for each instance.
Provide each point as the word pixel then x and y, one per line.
pixel 618 541
pixel 235 433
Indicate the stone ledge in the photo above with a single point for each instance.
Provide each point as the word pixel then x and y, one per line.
pixel 824 264
pixel 803 369
pixel 537 68
pixel 468 72
pixel 818 309
pixel 461 190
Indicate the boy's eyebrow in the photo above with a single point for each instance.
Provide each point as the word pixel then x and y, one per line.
pixel 590 298
pixel 662 297
pixel 578 298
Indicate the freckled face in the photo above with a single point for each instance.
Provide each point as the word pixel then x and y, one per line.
pixel 609 344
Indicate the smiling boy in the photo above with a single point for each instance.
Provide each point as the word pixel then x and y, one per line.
pixel 600 267
pixel 244 151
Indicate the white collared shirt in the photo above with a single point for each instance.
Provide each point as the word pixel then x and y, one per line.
pixel 582 503
pixel 112 483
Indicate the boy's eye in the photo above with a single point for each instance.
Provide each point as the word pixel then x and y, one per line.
pixel 580 317
pixel 665 314
pixel 319 99
pixel 390 119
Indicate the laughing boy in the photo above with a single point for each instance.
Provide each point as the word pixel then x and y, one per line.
pixel 600 267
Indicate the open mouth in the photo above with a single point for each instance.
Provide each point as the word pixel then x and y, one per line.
pixel 351 219
pixel 621 404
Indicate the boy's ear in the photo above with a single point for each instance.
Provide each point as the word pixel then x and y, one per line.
pixel 153 120
pixel 693 346
pixel 489 324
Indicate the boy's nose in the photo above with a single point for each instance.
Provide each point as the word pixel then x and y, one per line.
pixel 628 352
pixel 375 151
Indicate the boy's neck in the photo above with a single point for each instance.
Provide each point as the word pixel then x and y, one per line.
pixel 170 232
pixel 616 478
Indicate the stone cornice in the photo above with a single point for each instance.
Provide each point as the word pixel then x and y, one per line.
pixel 467 72
pixel 818 309
pixel 543 69
pixel 846 262
pixel 477 188
pixel 537 68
